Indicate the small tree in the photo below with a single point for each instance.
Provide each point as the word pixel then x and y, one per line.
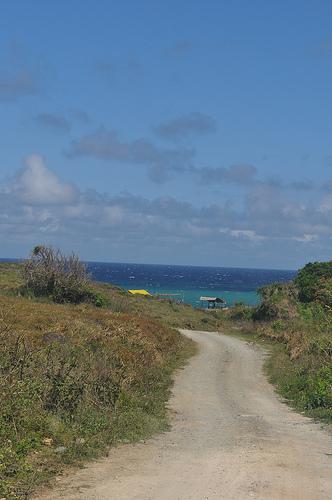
pixel 278 301
pixel 314 282
pixel 48 272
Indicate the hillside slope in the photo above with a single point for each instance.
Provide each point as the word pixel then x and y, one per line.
pixel 74 380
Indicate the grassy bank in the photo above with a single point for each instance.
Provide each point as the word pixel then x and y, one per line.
pixel 301 363
pixel 118 300
pixel 303 388
pixel 76 379
pixel 299 335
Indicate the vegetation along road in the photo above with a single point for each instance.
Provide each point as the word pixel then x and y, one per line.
pixel 231 438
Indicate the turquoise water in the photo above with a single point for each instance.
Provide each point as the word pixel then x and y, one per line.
pixel 192 296
pixel 190 282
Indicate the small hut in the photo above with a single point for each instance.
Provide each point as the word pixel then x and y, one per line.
pixel 213 302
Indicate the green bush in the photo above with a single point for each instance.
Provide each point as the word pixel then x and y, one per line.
pixel 278 301
pixel 319 389
pixel 314 282
pixel 241 312
pixel 98 299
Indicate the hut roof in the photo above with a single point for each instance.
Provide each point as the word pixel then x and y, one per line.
pixel 213 299
pixel 139 292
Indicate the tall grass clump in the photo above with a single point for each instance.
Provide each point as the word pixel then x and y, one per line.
pixel 50 273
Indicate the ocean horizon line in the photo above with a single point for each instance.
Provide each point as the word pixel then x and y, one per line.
pixel 20 259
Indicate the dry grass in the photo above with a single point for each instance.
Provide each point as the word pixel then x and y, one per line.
pixel 176 315
pixel 74 380
pixel 119 300
pixel 78 378
pixel 10 277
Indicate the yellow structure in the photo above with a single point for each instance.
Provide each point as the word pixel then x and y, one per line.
pixel 140 292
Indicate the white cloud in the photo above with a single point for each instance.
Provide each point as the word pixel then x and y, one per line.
pixel 306 238
pixel 246 234
pixel 35 184
pixel 114 215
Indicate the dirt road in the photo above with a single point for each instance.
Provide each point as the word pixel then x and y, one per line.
pixel 231 439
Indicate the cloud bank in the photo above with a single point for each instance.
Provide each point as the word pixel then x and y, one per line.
pixel 37 206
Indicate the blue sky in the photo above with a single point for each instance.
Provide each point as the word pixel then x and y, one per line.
pixel 167 132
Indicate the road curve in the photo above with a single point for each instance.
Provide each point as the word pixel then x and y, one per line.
pixel 231 438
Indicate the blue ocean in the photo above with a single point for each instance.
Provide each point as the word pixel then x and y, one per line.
pixel 189 283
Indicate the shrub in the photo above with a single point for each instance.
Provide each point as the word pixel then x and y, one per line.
pixel 319 391
pixel 278 325
pixel 241 312
pixel 278 301
pixel 50 273
pixel 314 282
pixel 97 299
